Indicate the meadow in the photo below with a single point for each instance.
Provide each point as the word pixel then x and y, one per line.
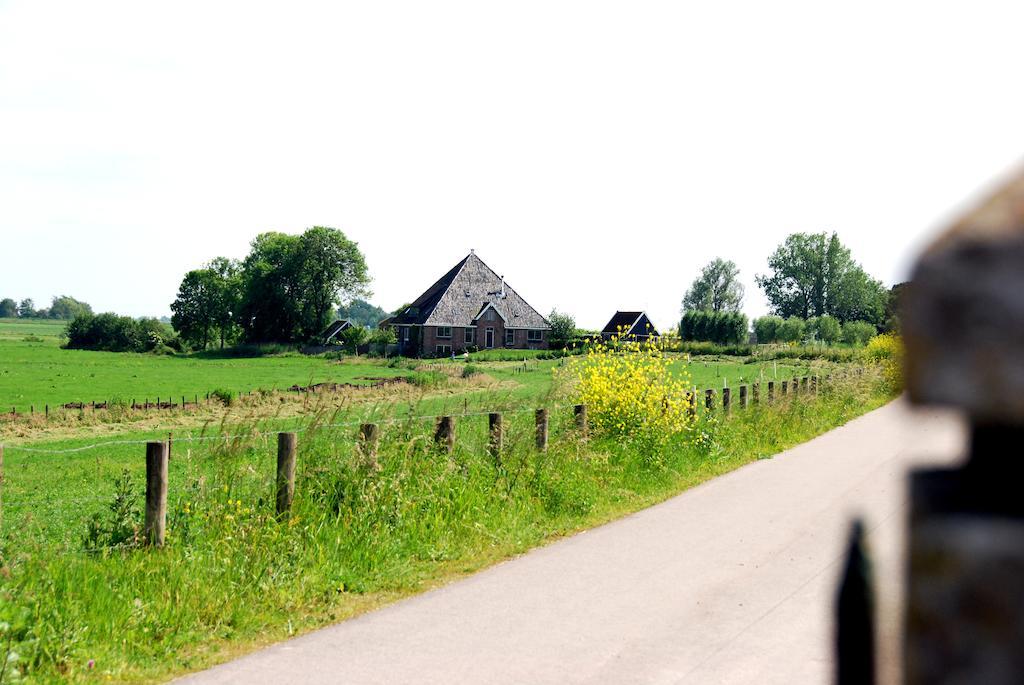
pixel 82 600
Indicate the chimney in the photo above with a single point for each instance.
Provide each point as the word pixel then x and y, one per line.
pixel 502 294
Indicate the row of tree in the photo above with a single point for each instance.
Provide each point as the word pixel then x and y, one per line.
pixel 814 287
pixel 63 307
pixel 113 333
pixel 286 290
pixel 722 327
pixel 810 275
pixel 826 329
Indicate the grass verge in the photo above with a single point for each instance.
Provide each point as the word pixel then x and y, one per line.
pixel 87 604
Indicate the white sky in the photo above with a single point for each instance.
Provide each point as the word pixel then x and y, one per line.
pixel 597 154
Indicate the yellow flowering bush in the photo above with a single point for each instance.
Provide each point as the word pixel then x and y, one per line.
pixel 887 351
pixel 631 392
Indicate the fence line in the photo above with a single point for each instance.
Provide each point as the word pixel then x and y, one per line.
pixel 711 397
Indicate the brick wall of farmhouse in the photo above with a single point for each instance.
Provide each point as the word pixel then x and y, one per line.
pixel 458 343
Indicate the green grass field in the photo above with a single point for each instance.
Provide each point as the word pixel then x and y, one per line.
pixel 39 372
pixel 232 577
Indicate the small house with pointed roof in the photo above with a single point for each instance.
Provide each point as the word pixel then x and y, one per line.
pixel 631 325
pixel 471 306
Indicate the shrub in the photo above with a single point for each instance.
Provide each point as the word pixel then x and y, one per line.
pixel 828 329
pixel 791 329
pixel 121 527
pixel 225 397
pixel 469 370
pixel 113 333
pixel 766 329
pixel 887 351
pixel 858 332
pixel 631 393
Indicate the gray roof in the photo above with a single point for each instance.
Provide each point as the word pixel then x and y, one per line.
pixel 462 295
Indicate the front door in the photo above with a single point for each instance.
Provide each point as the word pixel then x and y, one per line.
pixel 489 338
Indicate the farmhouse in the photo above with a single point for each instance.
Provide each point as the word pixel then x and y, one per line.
pixel 469 307
pixel 631 325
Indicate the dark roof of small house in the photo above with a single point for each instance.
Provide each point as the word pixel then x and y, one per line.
pixel 335 328
pixel 623 323
pixel 460 296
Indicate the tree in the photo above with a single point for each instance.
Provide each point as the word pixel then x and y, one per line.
pixel 858 332
pixel 563 328
pixel 291 284
pixel 791 329
pixel 8 308
pixel 353 337
pixel 723 328
pixel 893 308
pixel 766 329
pixel 828 329
pixel 206 302
pixel 717 289
pixel 27 308
pixel 67 308
pixel 362 312
pixel 814 274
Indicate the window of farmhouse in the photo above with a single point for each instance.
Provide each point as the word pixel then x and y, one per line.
pixel 469 335
pixel 444 331
pixel 443 350
pixel 510 338
pixel 534 336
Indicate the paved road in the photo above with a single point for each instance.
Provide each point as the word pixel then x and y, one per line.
pixel 730 582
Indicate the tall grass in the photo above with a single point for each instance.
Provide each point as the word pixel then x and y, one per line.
pixel 232 576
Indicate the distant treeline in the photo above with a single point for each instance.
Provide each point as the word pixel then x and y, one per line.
pixel 63 307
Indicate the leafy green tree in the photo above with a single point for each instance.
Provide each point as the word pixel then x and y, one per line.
pixel 353 337
pixel 717 289
pixel 67 308
pixel 724 328
pixel 792 329
pixel 206 302
pixel 8 308
pixel 362 312
pixel 27 308
pixel 291 284
pixel 828 329
pixel 381 338
pixel 766 328
pixel 858 332
pixel 563 328
pixel 893 308
pixel 814 274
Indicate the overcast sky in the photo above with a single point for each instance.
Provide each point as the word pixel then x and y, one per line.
pixel 596 154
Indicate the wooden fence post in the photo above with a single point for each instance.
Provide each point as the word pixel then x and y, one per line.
pixel 814 385
pixel 495 436
pixel 803 384
pixel 156 493
pixel 755 392
pixel 445 433
pixel 785 388
pixel 581 418
pixel 542 429
pixel 771 391
pixel 795 386
pixel 368 437
pixel 691 404
pixel 170 444
pixel 743 397
pixel 286 448
pixel 709 399
pixel 726 399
